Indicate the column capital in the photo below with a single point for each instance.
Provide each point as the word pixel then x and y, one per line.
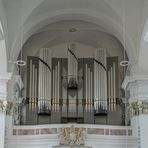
pixel 137 86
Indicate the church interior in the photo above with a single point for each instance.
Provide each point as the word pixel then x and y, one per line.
pixel 73 73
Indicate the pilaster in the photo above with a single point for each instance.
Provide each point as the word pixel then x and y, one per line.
pixel 6 106
pixel 137 86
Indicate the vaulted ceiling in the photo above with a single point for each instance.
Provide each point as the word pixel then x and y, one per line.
pixel 123 19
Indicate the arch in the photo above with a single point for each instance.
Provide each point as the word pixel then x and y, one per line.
pixel 143 51
pixel 112 26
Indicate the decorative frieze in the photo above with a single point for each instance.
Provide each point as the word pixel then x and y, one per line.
pixel 119 131
pixel 7 107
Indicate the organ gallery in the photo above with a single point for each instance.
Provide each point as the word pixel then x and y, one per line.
pixel 72 88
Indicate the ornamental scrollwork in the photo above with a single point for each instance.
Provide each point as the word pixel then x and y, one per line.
pixel 7 107
pixel 138 107
pixel 72 136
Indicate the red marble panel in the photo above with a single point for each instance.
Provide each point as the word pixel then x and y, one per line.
pixel 99 131
pixel 37 131
pixel 117 132
pixel 130 132
pixel 49 131
pixel 60 130
pixel 107 131
pixel 14 131
pixel 25 131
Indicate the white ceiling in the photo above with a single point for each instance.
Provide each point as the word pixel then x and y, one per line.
pixel 123 19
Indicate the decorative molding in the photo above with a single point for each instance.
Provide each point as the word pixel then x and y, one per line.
pixel 58 130
pixel 7 107
pixel 138 107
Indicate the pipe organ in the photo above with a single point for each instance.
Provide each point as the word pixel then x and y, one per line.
pixel 72 86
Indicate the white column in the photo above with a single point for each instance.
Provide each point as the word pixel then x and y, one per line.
pixel 137 85
pixel 3 97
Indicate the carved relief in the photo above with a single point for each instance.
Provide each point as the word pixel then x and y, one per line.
pixel 72 136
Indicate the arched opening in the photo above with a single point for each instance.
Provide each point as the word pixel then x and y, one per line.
pixel 46 76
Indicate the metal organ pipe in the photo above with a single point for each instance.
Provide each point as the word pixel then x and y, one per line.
pixel 44 77
pixel 100 94
pixel 114 78
pixel 95 87
pixel 112 87
pixel 53 88
pixel 30 90
pixel 35 89
pixel 111 78
pixel 91 90
pixel 86 86
pixel 108 88
pixel 33 86
pixel 58 85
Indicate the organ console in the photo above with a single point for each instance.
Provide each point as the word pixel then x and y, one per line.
pixel 71 86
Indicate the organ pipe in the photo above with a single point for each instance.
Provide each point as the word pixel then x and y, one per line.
pixel 44 95
pixel 100 82
pixel 112 88
pixel 30 85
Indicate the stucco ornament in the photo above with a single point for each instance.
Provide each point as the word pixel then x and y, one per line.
pixel 138 107
pixel 72 136
pixel 7 107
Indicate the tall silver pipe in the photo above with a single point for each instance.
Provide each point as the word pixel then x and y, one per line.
pixel 30 90
pixel 53 88
pixel 88 88
pixel 95 86
pixel 91 88
pixel 86 93
pixel 114 78
pixel 58 84
pixel 111 89
pixel 33 86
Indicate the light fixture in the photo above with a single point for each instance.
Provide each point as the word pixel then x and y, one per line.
pixel 124 63
pixel 72 30
pixel 20 62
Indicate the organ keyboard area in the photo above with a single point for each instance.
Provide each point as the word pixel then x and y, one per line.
pixel 73 87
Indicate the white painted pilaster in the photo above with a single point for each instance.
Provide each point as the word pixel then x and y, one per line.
pixel 137 85
pixel 3 98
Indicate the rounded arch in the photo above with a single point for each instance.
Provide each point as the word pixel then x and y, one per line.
pixel 109 24
pixel 143 50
